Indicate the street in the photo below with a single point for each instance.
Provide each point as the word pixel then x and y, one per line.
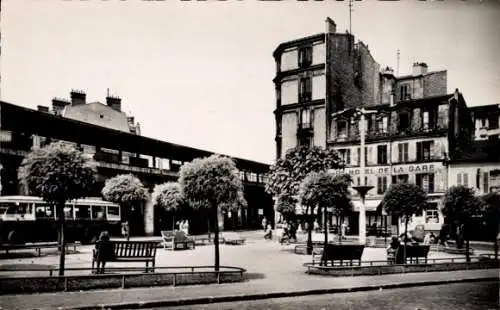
pixel 461 296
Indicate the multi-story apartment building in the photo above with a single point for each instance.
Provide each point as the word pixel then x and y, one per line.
pixel 413 127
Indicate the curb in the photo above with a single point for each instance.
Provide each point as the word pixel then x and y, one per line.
pixel 260 296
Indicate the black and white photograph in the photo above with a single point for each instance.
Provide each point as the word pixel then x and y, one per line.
pixel 250 154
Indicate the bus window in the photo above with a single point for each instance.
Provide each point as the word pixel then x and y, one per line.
pixel 114 213
pixel 82 212
pixel 20 209
pixel 98 212
pixel 45 211
pixel 68 211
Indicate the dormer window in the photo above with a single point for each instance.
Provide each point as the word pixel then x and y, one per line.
pixel 404 92
pixel 342 129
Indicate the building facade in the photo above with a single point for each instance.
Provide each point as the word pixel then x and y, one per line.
pixel 117 147
pixel 414 126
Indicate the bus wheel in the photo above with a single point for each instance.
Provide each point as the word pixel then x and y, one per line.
pixel 15 237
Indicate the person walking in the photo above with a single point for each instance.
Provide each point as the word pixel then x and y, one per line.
pixel 264 223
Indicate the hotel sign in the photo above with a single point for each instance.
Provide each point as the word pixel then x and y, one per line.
pixel 394 170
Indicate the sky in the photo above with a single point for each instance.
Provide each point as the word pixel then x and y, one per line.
pixel 199 73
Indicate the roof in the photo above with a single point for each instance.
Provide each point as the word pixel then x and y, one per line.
pixel 478 152
pixel 409 76
pixel 311 38
pixel 485 108
pixel 20 119
pixel 98 114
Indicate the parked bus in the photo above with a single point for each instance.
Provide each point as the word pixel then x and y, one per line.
pixel 31 219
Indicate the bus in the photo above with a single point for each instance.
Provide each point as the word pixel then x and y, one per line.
pixel 31 219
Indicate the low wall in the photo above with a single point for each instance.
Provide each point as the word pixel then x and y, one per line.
pixel 346 271
pixel 29 285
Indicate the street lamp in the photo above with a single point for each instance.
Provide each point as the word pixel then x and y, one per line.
pixel 361 189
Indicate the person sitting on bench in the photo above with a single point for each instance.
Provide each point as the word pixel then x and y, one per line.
pixel 269 233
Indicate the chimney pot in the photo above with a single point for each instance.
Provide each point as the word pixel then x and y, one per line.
pixel 419 68
pixel 78 97
pixel 331 27
pixel 114 102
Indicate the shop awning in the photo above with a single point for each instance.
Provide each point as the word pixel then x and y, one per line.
pixel 371 205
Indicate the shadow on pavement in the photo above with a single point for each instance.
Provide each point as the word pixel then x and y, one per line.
pixel 254 276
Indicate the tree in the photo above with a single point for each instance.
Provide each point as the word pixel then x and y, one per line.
pixel 459 205
pixel 491 214
pixel 169 196
pixel 323 189
pixel 286 175
pixel 58 172
pixel 285 205
pixel 127 191
pixel 404 200
pixel 213 183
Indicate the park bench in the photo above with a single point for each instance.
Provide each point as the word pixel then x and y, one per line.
pixel 339 253
pixel 37 246
pixel 413 253
pixel 128 251
pixel 176 239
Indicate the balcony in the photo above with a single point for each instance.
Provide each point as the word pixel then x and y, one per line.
pixel 305 130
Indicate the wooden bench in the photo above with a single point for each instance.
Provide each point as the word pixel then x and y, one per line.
pixel 413 253
pixel 339 253
pixel 36 246
pixel 176 239
pixel 128 251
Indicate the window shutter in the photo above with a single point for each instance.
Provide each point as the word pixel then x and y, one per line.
pixel 431 183
pixel 459 179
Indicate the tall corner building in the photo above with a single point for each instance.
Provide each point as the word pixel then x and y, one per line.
pixel 412 131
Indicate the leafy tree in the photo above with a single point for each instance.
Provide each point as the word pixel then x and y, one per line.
pixel 127 191
pixel 491 213
pixel 212 182
pixel 404 200
pixel 323 189
pixel 286 175
pixel 169 196
pixel 459 205
pixel 286 205
pixel 58 172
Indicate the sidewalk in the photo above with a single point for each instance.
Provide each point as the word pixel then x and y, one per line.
pixel 252 289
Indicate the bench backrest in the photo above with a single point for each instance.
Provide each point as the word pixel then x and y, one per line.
pixel 135 248
pixel 414 250
pixel 167 234
pixel 343 252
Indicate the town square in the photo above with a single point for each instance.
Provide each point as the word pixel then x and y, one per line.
pixel 239 154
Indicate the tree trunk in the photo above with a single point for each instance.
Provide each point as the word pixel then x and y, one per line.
pixel 405 240
pixel 62 242
pixel 339 233
pixel 309 232
pixel 325 220
pixel 173 222
pixel 216 235
pixel 208 227
pixel 495 239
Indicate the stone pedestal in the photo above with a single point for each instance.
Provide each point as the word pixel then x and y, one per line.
pixel 149 228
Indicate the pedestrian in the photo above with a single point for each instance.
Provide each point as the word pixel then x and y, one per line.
pixel 343 230
pixel 126 230
pixel 104 251
pixel 264 223
pixel 269 233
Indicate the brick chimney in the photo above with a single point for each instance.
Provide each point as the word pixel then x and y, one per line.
pixel 114 102
pixel 78 97
pixel 331 27
pixel 58 105
pixel 419 68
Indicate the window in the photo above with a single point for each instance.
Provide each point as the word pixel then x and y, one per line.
pixel 463 179
pixel 98 213
pixel 305 56
pixel 381 185
pixel 358 156
pixel 401 178
pixel 305 142
pixel 426 182
pixel 382 124
pixel 68 211
pixel 342 129
pixel 305 89
pixel 114 211
pixel 403 152
pixel 432 213
pixel 45 211
pixel 404 122
pixel 305 119
pixel 404 92
pixel 424 150
pixel 358 181
pixel 428 119
pixel 486 179
pixel 382 154
pixel 82 212
pixel 345 154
